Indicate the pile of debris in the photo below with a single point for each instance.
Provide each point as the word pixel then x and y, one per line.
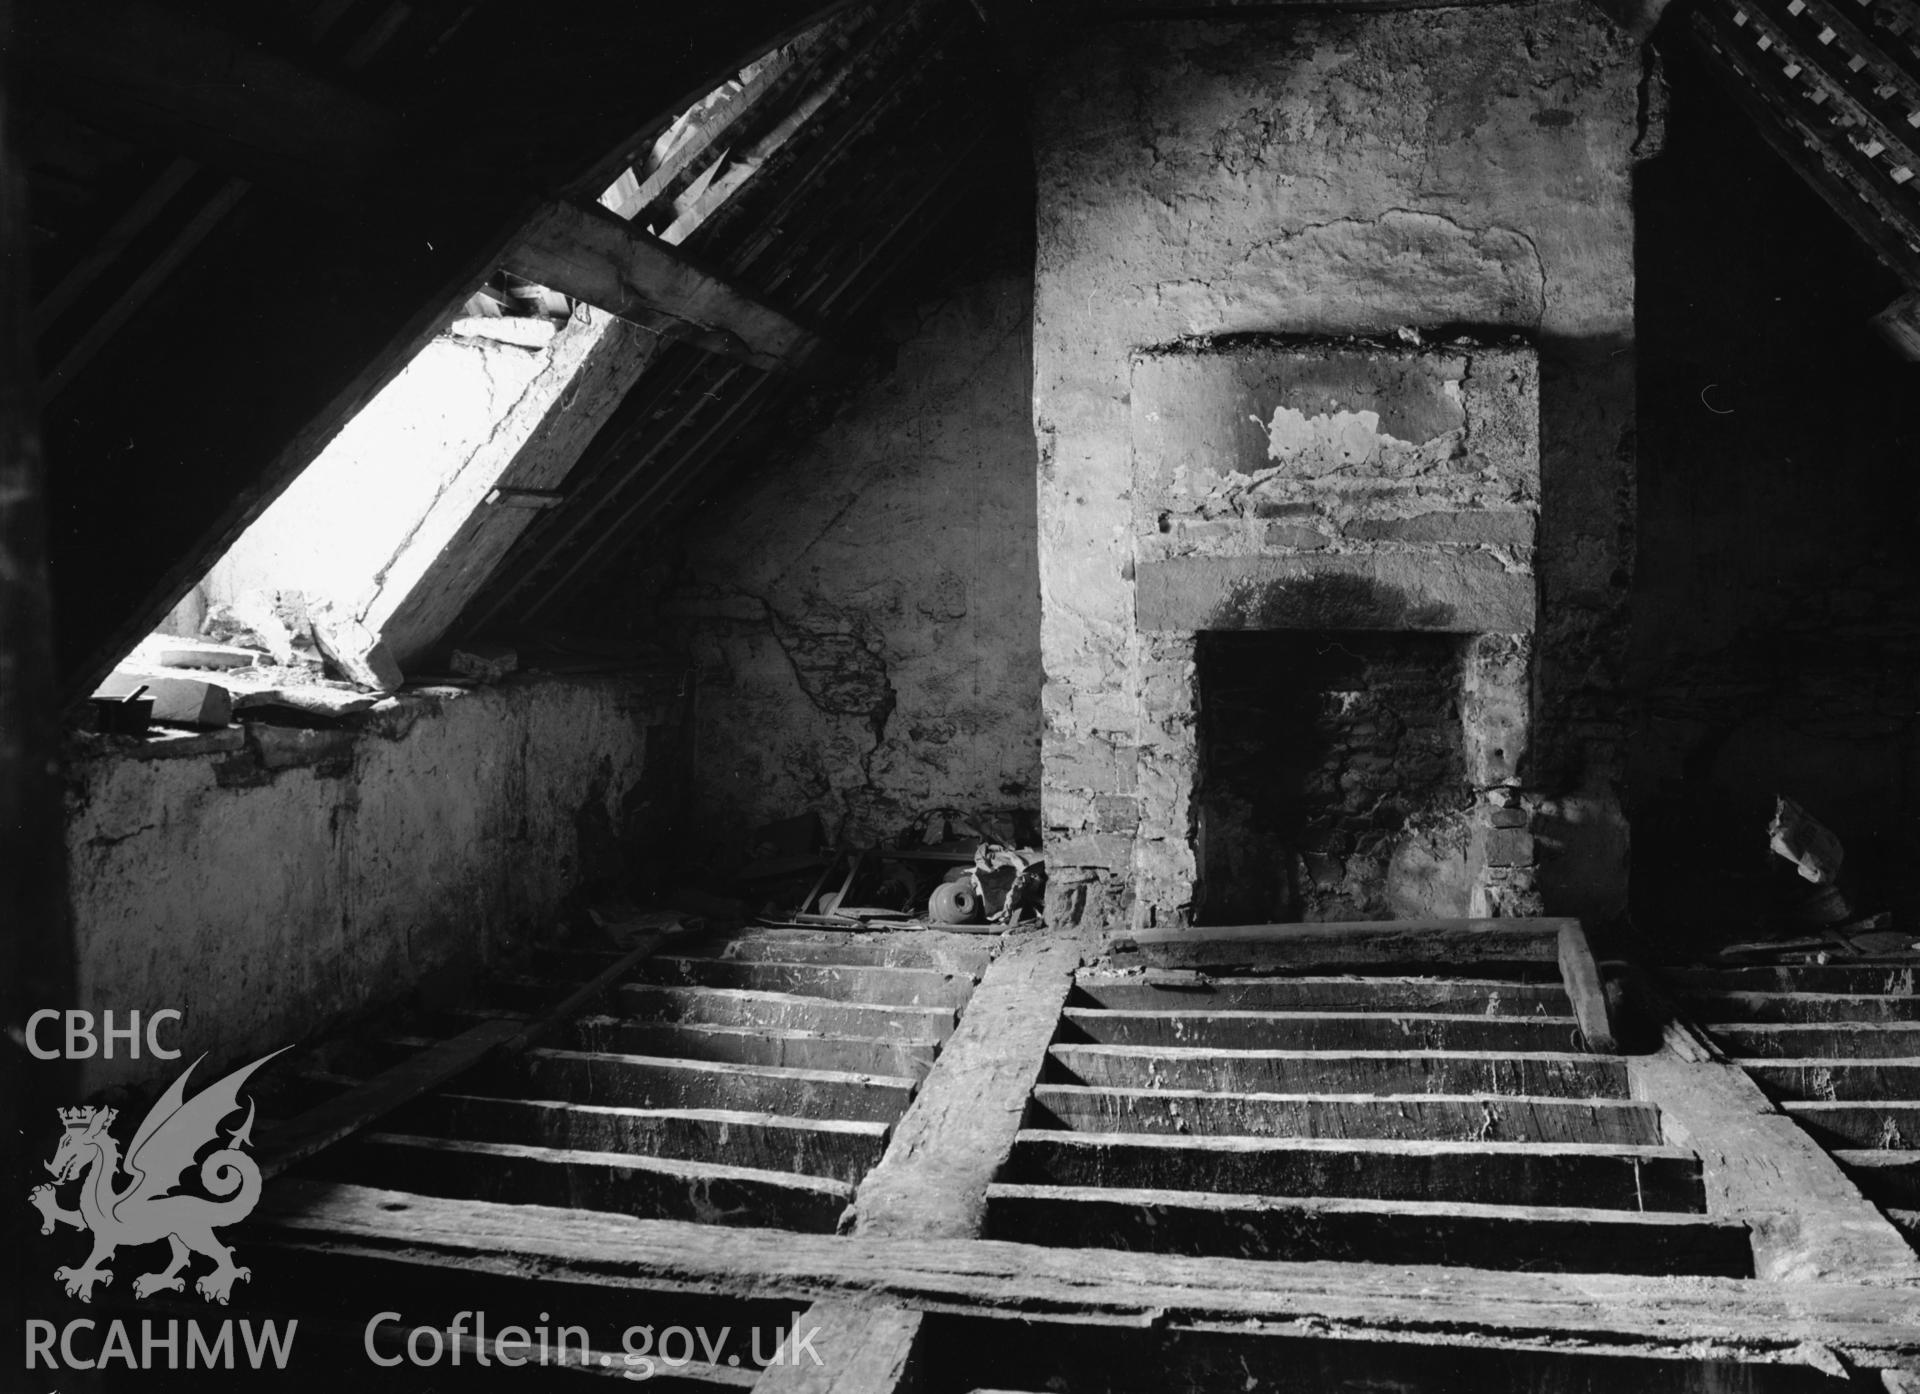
pixel 969 883
pixel 1817 908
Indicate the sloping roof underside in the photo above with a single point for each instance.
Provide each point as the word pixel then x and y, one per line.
pixel 249 217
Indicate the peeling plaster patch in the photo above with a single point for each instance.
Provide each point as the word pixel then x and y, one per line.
pixel 1325 441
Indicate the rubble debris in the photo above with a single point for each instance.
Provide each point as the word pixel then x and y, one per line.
pixel 301 705
pixel 485 662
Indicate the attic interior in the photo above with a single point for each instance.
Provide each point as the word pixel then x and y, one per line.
pixel 1087 695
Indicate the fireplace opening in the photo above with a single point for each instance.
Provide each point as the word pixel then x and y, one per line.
pixel 1332 780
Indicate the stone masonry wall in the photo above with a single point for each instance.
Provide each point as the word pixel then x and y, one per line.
pixel 1320 176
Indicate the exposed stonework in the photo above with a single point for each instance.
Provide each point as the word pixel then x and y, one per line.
pixel 865 618
pixel 1318 176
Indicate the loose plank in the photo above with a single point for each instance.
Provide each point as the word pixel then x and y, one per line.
pixel 1321 1030
pixel 842 1149
pixel 901 987
pixel 1370 943
pixel 753 1045
pixel 1468 1117
pixel 1802 1006
pixel 639 1081
pixel 1171 991
pixel 1874 1327
pixel 711 1006
pixel 1877 1040
pixel 862 1347
pixel 1266 1228
pixel 1594 1175
pixel 933 1180
pixel 1585 988
pixel 646 1187
pixel 1340 1072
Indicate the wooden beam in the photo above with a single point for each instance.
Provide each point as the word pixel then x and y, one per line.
pixel 1687 1318
pixel 1709 1005
pixel 1809 1222
pixel 638 1081
pixel 1535 1239
pixel 1600 1176
pixel 755 1045
pixel 901 987
pixel 1195 1113
pixel 1431 943
pixel 589 254
pixel 1191 991
pixel 837 1148
pixel 946 1150
pixel 617 1182
pixel 944 953
pixel 1240 1030
pixel 1897 978
pixel 1848 1040
pixel 1873 1123
pixel 1885 1176
pixel 1580 975
pixel 718 1006
pixel 1343 1072
pixel 1832 1077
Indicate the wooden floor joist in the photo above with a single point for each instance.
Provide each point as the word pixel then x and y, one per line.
pixel 1359 1230
pixel 1426 944
pixel 1320 1030
pixel 1485 1117
pixel 901 987
pixel 1885 1176
pixel 715 1006
pixel 1802 1006
pixel 1875 1123
pixel 1895 979
pixel 1836 1077
pixel 946 953
pixel 1314 1072
pixel 754 1045
pixel 613 1182
pixel 1597 1176
pixel 640 1081
pixel 1178 991
pixel 1852 1040
pixel 837 1148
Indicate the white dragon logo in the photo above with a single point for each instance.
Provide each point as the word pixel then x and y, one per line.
pixel 145 1210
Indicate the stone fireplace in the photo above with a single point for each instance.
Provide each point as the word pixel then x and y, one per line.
pixel 1333 562
pixel 1333 350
